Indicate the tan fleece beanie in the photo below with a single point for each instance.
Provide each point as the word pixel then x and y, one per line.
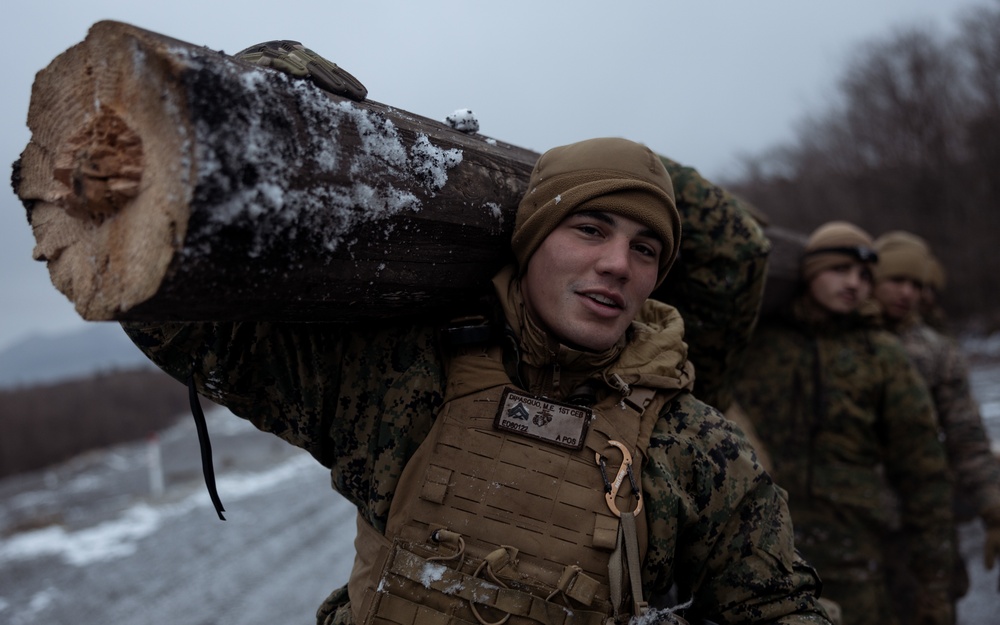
pixel 902 255
pixel 611 175
pixel 833 243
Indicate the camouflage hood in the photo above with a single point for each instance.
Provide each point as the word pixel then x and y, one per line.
pixel 652 353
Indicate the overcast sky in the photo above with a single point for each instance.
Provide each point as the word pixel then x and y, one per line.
pixel 703 82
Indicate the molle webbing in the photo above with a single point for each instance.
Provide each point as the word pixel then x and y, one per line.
pixel 492 489
pixel 418 590
pixel 498 488
pixel 439 585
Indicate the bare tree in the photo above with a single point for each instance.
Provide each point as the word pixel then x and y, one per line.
pixel 902 103
pixel 912 141
pixel 979 43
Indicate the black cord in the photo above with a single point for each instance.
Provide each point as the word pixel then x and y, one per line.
pixel 206 447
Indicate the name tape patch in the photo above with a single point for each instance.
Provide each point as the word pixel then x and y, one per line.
pixel 542 418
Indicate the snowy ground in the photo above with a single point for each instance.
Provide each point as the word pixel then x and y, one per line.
pixel 87 543
pixel 96 548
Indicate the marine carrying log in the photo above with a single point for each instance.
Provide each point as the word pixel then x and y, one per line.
pixel 165 180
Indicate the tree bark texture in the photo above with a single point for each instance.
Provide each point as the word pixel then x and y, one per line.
pixel 164 180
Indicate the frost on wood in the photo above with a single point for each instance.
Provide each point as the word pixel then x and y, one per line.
pixel 243 164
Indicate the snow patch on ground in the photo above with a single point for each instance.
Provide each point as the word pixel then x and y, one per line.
pixel 117 538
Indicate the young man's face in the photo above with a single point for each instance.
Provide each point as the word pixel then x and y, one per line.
pixel 588 279
pixel 841 289
pixel 898 296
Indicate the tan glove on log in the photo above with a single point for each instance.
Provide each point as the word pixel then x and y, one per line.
pixel 293 58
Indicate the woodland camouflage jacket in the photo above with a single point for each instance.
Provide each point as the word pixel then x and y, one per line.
pixel 939 360
pixel 717 283
pixel 361 399
pixel 841 409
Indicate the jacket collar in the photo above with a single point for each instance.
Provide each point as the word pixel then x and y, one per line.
pixel 651 353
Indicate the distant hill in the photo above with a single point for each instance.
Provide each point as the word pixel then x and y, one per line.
pixel 99 347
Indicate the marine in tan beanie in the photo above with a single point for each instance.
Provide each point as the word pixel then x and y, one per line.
pixel 833 243
pixel 595 234
pixel 611 175
pixel 836 266
pixel 903 268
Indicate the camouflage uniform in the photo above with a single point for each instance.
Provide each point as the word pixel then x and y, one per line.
pixel 362 398
pixel 974 468
pixel 838 405
pixel 717 282
pixel 940 363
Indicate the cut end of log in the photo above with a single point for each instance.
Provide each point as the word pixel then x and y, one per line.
pixel 104 176
pixel 101 168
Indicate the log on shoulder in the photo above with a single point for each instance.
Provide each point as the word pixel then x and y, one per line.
pixel 783 280
pixel 164 180
pixel 167 181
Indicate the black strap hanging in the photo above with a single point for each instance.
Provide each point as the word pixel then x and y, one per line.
pixel 206 447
